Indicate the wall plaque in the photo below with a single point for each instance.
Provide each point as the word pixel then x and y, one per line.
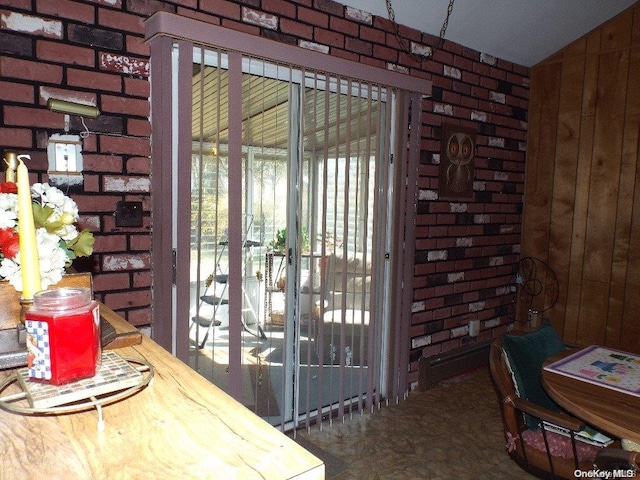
pixel 457 159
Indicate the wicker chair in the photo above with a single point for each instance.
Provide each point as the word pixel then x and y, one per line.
pixel 616 459
pixel 539 451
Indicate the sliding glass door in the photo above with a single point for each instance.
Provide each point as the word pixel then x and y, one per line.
pixel 281 273
pixel 309 240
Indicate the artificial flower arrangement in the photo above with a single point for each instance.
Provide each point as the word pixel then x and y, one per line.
pixel 57 238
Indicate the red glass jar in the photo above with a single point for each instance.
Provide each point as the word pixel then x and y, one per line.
pixel 63 335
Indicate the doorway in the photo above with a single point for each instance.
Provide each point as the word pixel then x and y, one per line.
pixel 311 161
pixel 289 227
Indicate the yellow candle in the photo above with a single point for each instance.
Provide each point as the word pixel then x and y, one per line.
pixel 12 163
pixel 29 260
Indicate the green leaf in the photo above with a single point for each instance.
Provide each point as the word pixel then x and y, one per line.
pixel 40 215
pixel 82 245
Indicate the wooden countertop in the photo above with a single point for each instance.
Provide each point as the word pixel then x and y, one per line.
pixel 179 427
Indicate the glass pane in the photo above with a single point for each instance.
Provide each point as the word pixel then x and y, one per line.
pixel 263 196
pixel 310 162
pixel 338 192
pixel 209 218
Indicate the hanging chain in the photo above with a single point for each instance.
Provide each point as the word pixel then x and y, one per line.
pixel 415 56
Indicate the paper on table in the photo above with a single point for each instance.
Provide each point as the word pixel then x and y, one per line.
pixel 602 366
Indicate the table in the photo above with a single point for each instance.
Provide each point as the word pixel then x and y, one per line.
pixel 613 412
pixel 179 427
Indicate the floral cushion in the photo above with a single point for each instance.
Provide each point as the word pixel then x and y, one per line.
pixel 559 445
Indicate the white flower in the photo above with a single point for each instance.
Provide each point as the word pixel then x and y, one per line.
pixel 54 197
pixel 57 238
pixel 10 270
pixel 68 232
pixel 52 257
pixel 8 210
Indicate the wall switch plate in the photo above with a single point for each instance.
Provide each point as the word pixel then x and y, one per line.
pixel 65 154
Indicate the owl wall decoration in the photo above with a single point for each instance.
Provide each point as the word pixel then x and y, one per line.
pixel 457 159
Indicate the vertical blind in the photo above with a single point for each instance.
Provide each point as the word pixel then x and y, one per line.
pixel 298 231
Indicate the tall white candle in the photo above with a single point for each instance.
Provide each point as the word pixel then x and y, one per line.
pixel 29 259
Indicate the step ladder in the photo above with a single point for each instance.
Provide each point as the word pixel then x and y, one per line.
pixel 222 279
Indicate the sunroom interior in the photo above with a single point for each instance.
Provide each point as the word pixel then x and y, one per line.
pixel 312 163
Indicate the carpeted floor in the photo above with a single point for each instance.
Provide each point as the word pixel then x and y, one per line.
pixel 453 431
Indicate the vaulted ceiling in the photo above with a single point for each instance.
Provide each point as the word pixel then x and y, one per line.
pixel 521 31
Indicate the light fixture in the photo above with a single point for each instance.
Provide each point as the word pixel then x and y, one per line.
pixel 72 108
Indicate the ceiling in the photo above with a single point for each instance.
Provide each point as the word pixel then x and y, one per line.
pixel 520 31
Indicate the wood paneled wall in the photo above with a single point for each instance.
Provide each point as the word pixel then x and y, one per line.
pixel 582 189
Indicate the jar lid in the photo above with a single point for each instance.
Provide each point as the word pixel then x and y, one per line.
pixel 64 298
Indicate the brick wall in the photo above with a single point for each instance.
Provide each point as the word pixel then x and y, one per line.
pixel 93 52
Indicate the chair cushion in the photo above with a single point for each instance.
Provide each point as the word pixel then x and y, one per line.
pixel 525 355
pixel 559 445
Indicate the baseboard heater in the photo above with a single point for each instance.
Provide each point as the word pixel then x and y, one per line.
pixel 436 368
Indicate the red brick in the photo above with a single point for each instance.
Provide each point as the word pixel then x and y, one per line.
pixel 30 70
pixel 139 317
pixel 15 137
pixel 372 34
pixel 358 46
pixel 313 17
pixel 128 299
pixel 67 9
pixel 61 53
pixel 16 92
pixel 97 203
pixel 137 46
pixel 329 6
pixel 124 64
pixel 121 20
pixel 33 117
pixel 374 62
pixel 139 165
pixel 341 25
pixel 110 281
pixel 89 142
pixel 31 24
pixel 125 105
pixel 201 16
pixel 137 87
pixel 222 8
pixel 110 243
pixel 296 28
pixel 125 261
pixel 147 8
pixel 141 243
pixel 125 146
pixel 327 37
pixel 138 127
pixel 241 27
pixel 279 7
pixel 94 80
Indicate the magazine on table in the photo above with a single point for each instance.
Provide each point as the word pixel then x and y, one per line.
pixel 602 366
pixel 587 435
